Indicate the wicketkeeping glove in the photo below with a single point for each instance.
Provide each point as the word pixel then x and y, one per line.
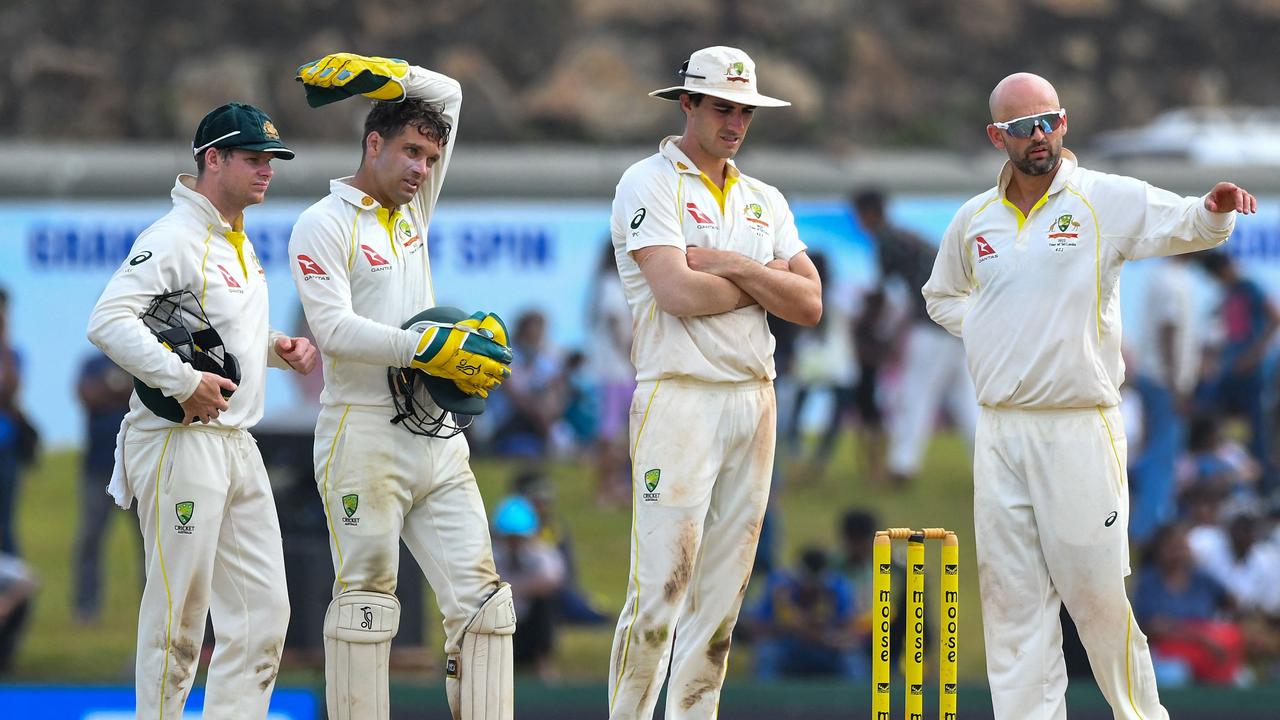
pixel 341 75
pixel 473 353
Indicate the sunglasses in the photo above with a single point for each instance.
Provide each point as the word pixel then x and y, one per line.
pixel 1024 127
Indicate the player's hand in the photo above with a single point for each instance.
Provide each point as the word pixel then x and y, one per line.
pixel 298 352
pixel 778 264
pixel 341 75
pixel 723 263
pixel 1225 197
pixel 209 399
pixel 473 353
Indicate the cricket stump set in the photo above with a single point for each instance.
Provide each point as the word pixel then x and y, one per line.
pixel 913 648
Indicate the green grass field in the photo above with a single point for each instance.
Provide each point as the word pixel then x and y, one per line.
pixel 56 648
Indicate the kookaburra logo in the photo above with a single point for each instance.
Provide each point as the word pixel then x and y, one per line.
pixel 367 623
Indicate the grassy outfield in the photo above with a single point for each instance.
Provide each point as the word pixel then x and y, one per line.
pixel 58 649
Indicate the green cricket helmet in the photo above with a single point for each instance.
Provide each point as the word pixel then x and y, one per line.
pixel 177 321
pixel 426 404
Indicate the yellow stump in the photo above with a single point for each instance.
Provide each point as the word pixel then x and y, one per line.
pixel 914 647
pixel 882 582
pixel 950 617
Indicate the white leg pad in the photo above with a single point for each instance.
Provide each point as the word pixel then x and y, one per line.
pixel 358 628
pixel 478 679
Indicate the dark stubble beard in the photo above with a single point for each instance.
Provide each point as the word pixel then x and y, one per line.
pixel 1043 166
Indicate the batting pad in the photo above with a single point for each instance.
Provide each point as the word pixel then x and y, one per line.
pixel 358 628
pixel 478 679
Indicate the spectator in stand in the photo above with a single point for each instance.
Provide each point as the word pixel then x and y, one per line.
pixel 609 361
pixel 536 573
pixel 533 399
pixel 1249 320
pixel 104 390
pixel 11 423
pixel 1218 462
pixel 1168 366
pixel 873 345
pixel 1237 555
pixel 572 604
pixel 17 587
pixel 1184 612
pixel 824 361
pixel 933 362
pixel 806 624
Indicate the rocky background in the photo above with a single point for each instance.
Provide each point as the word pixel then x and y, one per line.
pixel 861 73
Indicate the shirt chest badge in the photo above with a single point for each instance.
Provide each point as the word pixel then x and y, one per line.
pixel 405 233
pixel 754 214
pixel 985 250
pixel 1063 233
pixel 700 218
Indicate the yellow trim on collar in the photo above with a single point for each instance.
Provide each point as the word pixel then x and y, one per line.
pixel 1022 219
pixel 731 179
pixel 387 219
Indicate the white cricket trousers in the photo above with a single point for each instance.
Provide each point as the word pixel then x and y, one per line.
pixel 379 483
pixel 933 372
pixel 1051 521
pixel 702 459
pixel 212 542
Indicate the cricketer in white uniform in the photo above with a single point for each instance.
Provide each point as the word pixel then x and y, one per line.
pixel 1028 277
pixel 704 253
pixel 362 269
pixel 205 507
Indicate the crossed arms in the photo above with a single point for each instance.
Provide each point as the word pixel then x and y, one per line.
pixel 704 281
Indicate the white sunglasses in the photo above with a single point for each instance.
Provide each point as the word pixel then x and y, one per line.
pixel 1025 127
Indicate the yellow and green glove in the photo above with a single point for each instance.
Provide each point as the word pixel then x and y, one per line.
pixel 340 75
pixel 473 353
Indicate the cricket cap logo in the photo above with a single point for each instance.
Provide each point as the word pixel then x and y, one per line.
pixel 350 503
pixel 736 72
pixel 185 510
pixel 269 130
pixel 651 478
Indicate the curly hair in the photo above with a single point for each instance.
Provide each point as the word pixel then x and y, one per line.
pixel 389 119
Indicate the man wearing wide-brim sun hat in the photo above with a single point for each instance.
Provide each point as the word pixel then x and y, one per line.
pixel 705 253
pixel 193 284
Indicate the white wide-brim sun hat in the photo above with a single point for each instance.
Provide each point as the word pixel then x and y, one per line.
pixel 723 72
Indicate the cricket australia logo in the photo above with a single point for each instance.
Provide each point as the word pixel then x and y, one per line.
pixel 185 510
pixel 736 72
pixel 1064 233
pixel 350 503
pixel 651 478
pixel 755 215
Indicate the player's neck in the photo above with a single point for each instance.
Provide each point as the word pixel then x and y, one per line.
pixel 715 168
pixel 1025 190
pixel 232 212
pixel 364 182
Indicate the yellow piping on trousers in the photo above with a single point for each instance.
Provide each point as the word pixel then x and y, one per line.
pixel 635 544
pixel 328 515
pixel 168 596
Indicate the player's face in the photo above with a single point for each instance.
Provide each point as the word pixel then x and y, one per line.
pixel 401 164
pixel 717 127
pixel 245 176
pixel 1035 155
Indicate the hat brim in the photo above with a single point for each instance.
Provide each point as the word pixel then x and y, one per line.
pixel 754 99
pixel 280 151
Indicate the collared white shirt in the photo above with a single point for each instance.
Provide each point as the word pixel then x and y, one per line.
pixel 188 249
pixel 362 270
pixel 1036 299
pixel 665 200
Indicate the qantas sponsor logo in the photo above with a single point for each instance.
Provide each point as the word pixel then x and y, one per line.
pixel 985 251
pixel 229 279
pixel 311 269
pixel 376 261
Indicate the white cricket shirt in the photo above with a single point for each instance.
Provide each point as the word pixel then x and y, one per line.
pixel 189 249
pixel 665 200
pixel 1037 299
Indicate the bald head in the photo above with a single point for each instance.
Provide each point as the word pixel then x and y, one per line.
pixel 1022 94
